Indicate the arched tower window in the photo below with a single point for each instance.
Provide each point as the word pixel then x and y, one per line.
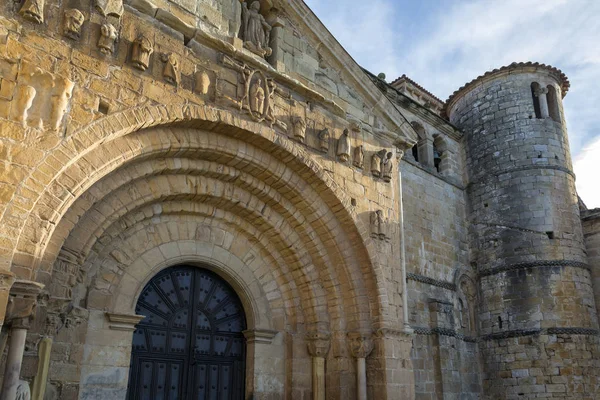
pixel 535 90
pixel 441 155
pixel 553 107
pixel 420 150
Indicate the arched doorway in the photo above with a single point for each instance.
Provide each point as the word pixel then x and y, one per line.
pixel 190 345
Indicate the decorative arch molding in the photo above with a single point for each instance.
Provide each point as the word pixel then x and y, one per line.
pixel 75 173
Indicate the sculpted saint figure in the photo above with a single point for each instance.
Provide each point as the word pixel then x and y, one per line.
pixel 324 140
pixel 140 56
pixel 299 129
pixel 108 35
pixel 359 157
pixel 343 147
pixel 73 21
pixel 257 97
pixel 33 10
pixel 376 163
pixel 255 32
pixel 387 166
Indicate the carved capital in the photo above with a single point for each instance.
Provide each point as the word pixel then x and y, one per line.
pixel 264 336
pixel 360 344
pixel 123 322
pixel 391 333
pixel 318 344
pixel 22 302
pixel 541 91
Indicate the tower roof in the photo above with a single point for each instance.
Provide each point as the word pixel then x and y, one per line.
pixel 523 67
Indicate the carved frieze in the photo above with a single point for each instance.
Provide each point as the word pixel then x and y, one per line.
pixel 33 10
pixel 299 124
pixel 171 69
pixel 140 53
pixel 343 147
pixel 382 165
pixel 323 137
pixel 73 22
pixel 255 31
pixel 359 157
pixel 107 39
pixel 379 226
pixel 360 344
pixel 258 94
pixel 112 8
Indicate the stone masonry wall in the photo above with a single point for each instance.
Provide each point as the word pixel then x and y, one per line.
pixel 536 292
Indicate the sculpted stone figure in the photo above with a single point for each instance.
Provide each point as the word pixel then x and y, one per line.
pixel 33 10
pixel 140 56
pixel 270 112
pixel 376 163
pixel 110 8
pixel 236 22
pixel 202 82
pixel 359 157
pixel 171 70
pixel 59 103
pixel 23 391
pixel 387 166
pixel 324 140
pixel 255 32
pixel 299 128
pixel 73 21
pixel 108 36
pixel 378 225
pixel 25 96
pixel 343 146
pixel 257 97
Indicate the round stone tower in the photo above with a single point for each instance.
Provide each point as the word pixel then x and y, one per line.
pixel 536 315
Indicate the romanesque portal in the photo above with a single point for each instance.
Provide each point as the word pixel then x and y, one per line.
pixel 211 199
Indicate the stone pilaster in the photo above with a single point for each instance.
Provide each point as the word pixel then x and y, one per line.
pixel 361 345
pixel 389 368
pixel 318 347
pixel 21 309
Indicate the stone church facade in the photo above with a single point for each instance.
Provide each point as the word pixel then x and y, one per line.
pixel 210 199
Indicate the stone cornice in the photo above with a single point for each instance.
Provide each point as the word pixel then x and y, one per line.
pixel 123 322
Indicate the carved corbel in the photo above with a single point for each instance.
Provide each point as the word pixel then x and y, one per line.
pixel 107 39
pixel 140 53
pixel 343 147
pixel 324 140
pixel 73 22
pixel 171 69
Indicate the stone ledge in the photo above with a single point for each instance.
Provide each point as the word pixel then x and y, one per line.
pixel 534 264
pixel 123 322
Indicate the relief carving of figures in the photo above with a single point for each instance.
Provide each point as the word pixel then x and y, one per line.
pixel 74 20
pixel 33 10
pixel 112 8
pixel 171 70
pixel 343 147
pixel 257 97
pixel 359 157
pixel 378 225
pixel 376 160
pixel 299 129
pixel 59 102
pixel 140 54
pixel 387 166
pixel 108 36
pixel 25 96
pixel 255 32
pixel 324 140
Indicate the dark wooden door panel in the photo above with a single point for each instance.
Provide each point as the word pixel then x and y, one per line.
pixel 190 345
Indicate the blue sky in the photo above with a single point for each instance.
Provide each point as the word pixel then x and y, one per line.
pixel 442 44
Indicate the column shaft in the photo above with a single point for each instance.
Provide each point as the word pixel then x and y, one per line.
pixel 318 378
pixel 14 360
pixel 361 379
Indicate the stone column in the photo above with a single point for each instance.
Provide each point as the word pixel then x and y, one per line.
pixel 425 149
pixel 542 95
pixel 361 346
pixel 21 309
pixel 276 58
pixel 402 245
pixel 318 347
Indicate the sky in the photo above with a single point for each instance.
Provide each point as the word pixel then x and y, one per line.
pixel 443 44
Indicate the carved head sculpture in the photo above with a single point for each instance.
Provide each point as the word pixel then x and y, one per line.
pixel 255 6
pixel 387 167
pixel 140 56
pixel 108 36
pixel 359 157
pixel 73 21
pixel 343 147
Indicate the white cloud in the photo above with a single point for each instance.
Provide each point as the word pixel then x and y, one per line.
pixel 586 169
